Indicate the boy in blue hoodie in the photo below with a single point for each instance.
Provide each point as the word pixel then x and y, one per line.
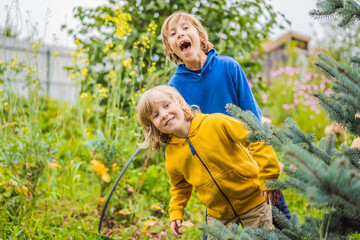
pixel 203 77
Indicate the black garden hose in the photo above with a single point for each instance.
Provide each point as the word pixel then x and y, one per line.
pixel 113 188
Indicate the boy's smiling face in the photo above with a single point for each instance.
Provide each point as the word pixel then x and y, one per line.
pixel 168 117
pixel 184 41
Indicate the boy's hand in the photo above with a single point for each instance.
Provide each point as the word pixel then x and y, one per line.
pixel 174 227
pixel 271 196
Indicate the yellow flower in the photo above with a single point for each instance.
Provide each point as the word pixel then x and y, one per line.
pixel 55 39
pixel 77 42
pixel 72 140
pixel 125 212
pixel 112 75
pixel 121 21
pixel 2 63
pixel 7 188
pixel 55 53
pixel 101 201
pixel 106 49
pixel 25 190
pixel 152 28
pixel 107 18
pixel 100 169
pixel 18 190
pixel 36 47
pixel 84 95
pixel 84 61
pixel 118 48
pixel 54 164
pixel 115 167
pixel 111 55
pixel 13 63
pixel 1 90
pixel 152 69
pixel 143 89
pixel 84 72
pixel 127 62
pixel 103 92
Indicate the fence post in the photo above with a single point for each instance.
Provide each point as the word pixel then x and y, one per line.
pixel 48 61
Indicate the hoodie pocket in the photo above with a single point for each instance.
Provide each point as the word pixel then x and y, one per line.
pixel 210 197
pixel 237 187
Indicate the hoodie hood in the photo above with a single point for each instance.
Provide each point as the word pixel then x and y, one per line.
pixel 194 128
pixel 208 66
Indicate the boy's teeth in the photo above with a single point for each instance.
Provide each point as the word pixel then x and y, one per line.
pixel 168 121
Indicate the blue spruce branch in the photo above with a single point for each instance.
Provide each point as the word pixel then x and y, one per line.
pixel 306 163
pixel 348 10
pixel 348 79
pixel 355 61
pixel 330 144
pixel 353 154
pixel 350 13
pixel 326 9
pixel 325 69
pixel 338 113
pixel 348 101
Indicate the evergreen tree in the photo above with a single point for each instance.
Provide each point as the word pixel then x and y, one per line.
pixel 329 178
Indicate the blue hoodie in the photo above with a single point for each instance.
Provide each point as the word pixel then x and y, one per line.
pixel 220 81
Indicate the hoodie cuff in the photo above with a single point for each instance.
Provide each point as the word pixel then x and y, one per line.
pixel 176 214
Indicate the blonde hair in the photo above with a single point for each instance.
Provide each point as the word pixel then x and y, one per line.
pixel 204 38
pixel 144 108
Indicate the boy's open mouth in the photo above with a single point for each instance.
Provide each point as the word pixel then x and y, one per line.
pixel 185 46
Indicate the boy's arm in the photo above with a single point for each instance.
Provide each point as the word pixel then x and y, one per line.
pixel 180 192
pixel 263 154
pixel 245 96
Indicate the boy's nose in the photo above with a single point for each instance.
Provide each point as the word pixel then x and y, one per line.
pixel 180 34
pixel 163 114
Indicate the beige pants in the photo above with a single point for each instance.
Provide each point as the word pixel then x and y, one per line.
pixel 259 217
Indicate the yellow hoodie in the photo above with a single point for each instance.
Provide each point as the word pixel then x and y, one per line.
pixel 225 170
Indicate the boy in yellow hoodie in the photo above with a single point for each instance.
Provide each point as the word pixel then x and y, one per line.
pixel 209 153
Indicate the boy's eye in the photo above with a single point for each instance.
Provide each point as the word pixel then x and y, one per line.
pixel 186 27
pixel 172 33
pixel 167 105
pixel 155 115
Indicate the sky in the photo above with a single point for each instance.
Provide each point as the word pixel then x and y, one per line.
pixel 49 15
